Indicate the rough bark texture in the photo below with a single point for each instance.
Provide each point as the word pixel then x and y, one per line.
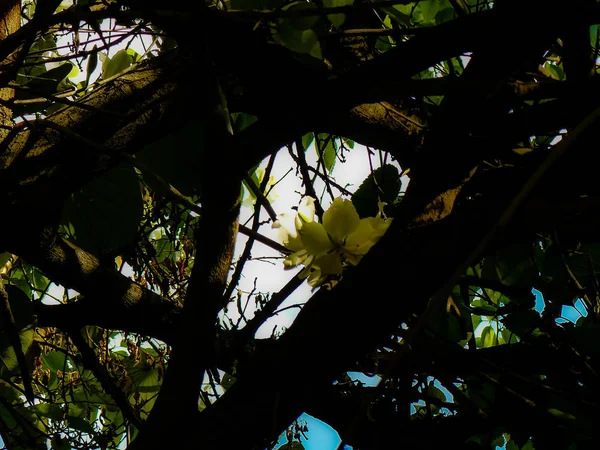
pixel 10 21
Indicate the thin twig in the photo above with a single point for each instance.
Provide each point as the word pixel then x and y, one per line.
pixel 573 278
pixel 91 362
pixel 269 309
pixel 260 197
pixel 10 328
pixel 321 146
pixel 239 267
pixel 309 188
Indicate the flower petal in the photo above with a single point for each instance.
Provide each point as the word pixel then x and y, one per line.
pixel 286 232
pixel 330 263
pixel 306 209
pixel 295 259
pixel 315 238
pixel 368 232
pixel 315 277
pixel 340 219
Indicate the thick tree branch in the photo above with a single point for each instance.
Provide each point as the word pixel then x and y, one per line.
pixel 110 299
pixel 40 166
pixel 177 403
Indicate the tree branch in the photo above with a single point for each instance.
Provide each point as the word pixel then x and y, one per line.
pixel 90 361
pixel 110 299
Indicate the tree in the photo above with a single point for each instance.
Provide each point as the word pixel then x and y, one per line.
pixel 488 107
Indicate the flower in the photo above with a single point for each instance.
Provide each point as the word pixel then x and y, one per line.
pixel 258 177
pixel 325 249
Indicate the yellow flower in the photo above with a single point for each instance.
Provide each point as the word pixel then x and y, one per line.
pixel 250 198
pixel 324 249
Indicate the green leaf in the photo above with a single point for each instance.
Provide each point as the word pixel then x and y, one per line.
pixel 488 337
pixel 448 325
pixel 512 266
pixel 44 84
pixel 444 15
pixel 292 446
pixel 21 307
pixel 92 335
pixel 476 320
pixel 164 249
pixel 7 352
pixel 4 258
pixel 54 361
pixel 307 139
pixel 91 65
pixel 58 443
pixel 498 441
pixel 145 377
pixel 555 71
pixel 256 4
pixel 47 82
pixel 22 310
pixel 117 64
pixel 37 278
pixel 349 143
pixel 301 41
pixel 49 410
pixel 477 439
pixel 242 120
pixel 382 185
pixel 508 336
pixel 430 9
pixel 135 55
pixel 337 20
pixel 302 22
pixel 522 322
pixel 227 381
pixel 528 446
pixel 511 445
pixel 435 392
pixel 561 414
pixel 328 154
pixel 77 423
pixel 106 213
pixel 401 14
pixel 383 43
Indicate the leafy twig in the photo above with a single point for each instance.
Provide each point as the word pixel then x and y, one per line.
pixel 90 361
pixel 309 188
pixel 260 197
pixel 8 323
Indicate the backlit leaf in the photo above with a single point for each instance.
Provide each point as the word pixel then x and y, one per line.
pixel 382 185
pixel 117 64
pixel 337 20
